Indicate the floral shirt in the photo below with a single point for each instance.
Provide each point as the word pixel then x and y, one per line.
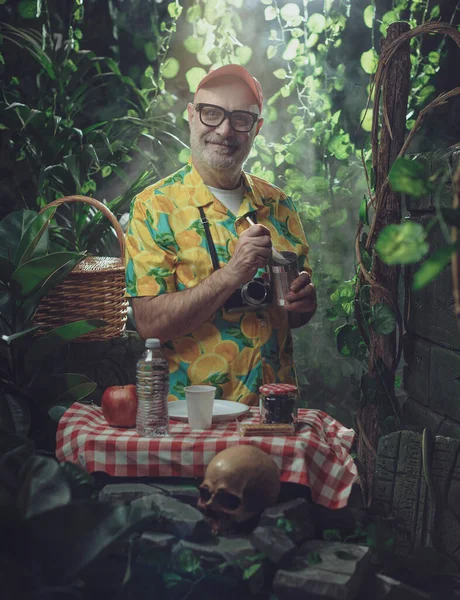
pixel 167 251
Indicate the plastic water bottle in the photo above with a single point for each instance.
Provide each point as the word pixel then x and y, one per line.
pixel 152 385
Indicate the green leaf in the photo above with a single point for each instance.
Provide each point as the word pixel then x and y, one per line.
pixel 193 77
pixel 383 319
pixel 350 342
pixel 332 535
pixel 33 235
pixel 193 44
pixel 363 216
pixel 411 177
pixel 28 9
pixel 270 13
pixel 193 13
pixel 368 16
pixel 243 53
pixel 252 570
pixel 280 73
pixel 290 12
pixel 291 49
pixel 369 61
pixel 32 275
pixel 170 68
pixel 12 228
pixel 433 266
pixel 271 52
pixel 365 119
pixel 316 23
pixel 402 244
pixel 174 10
pixel 6 269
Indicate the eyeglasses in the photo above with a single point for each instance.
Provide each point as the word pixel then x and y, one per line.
pixel 212 116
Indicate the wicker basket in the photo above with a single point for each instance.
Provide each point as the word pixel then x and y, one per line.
pixel 94 289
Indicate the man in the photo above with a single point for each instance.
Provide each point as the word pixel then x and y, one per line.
pixel 191 249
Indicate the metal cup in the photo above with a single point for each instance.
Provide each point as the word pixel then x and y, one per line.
pixel 283 275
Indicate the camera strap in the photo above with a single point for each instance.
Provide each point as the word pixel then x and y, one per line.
pixel 207 231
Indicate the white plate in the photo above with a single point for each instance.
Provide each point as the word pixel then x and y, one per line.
pixel 223 410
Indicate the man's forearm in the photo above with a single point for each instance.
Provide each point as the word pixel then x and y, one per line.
pixel 178 313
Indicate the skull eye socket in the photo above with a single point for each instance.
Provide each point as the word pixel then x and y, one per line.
pixel 205 494
pixel 227 500
pixel 224 499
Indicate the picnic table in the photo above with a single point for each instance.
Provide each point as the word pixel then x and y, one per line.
pixel 317 456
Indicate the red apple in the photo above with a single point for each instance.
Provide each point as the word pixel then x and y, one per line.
pixel 119 405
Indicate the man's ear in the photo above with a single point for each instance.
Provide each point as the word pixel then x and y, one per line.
pixel 190 112
pixel 259 125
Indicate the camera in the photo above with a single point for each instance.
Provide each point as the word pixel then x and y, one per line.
pixel 253 295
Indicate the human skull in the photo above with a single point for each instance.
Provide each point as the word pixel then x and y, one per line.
pixel 239 483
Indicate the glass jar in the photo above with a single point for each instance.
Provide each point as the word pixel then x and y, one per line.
pixel 278 403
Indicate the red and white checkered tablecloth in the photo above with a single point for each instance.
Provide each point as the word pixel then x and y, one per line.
pixel 317 456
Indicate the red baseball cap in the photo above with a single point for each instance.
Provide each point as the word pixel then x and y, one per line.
pixel 236 71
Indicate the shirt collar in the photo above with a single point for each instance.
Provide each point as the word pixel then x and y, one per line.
pixel 252 200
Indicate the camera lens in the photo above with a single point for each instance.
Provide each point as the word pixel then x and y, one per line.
pixel 254 292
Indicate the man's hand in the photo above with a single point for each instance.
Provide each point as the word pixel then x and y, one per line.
pixel 302 296
pixel 252 252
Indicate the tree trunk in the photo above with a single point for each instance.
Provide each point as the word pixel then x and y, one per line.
pixel 383 350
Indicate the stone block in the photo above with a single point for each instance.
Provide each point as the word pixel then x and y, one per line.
pixel 387 588
pixel 416 417
pixel 449 428
pixel 324 570
pixel 274 542
pixel 431 313
pixel 294 517
pixel 237 553
pixel 156 541
pixel 400 490
pixel 175 517
pixel 186 493
pixel 432 377
pixel 416 378
pixel 123 493
pixel 445 382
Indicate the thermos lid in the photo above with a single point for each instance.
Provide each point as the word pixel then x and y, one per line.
pixel 277 389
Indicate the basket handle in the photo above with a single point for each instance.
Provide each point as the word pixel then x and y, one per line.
pixel 104 210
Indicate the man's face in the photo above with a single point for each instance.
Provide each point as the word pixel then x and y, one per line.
pixel 222 148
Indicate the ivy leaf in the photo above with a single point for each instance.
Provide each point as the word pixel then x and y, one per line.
pixel 369 61
pixel 314 558
pixel 170 68
pixel 402 244
pixel 433 266
pixel 316 23
pixel 368 16
pixel 280 73
pixel 270 13
pixel 410 177
pixel 384 319
pixel 193 77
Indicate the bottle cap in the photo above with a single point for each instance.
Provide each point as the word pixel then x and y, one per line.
pixel 152 343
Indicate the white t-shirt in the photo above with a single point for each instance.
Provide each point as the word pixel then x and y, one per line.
pixel 231 199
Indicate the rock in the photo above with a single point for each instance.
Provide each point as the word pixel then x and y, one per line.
pixel 175 517
pixel 187 493
pixel 157 541
pixel 324 570
pixel 294 517
pixel 387 588
pixel 400 490
pixel 274 542
pixel 123 493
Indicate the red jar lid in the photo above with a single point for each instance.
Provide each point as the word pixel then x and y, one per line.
pixel 277 389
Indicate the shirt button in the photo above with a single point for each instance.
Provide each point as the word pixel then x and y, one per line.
pixel 263 324
pixel 264 360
